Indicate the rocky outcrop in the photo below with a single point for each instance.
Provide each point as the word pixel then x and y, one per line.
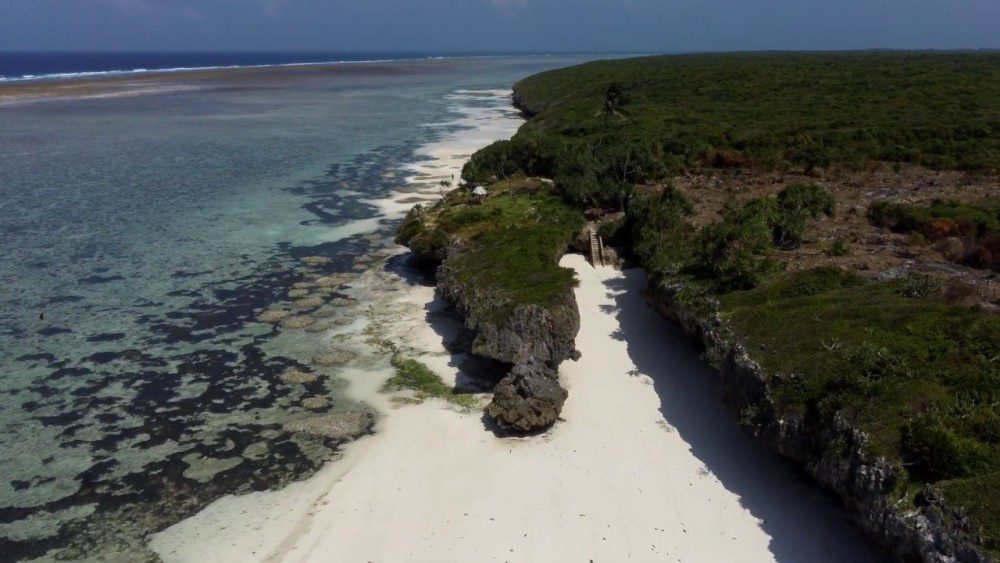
pixel 528 332
pixel 528 399
pixel 926 530
pixel 532 338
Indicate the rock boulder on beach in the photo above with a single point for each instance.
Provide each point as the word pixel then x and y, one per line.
pixel 528 399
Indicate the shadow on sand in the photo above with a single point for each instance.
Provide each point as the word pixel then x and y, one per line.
pixel 804 524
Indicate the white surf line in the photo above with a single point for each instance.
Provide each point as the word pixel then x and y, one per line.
pixel 647 466
pixel 443 160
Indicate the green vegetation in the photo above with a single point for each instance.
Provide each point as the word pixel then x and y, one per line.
pixel 978 497
pixel 839 247
pixel 796 205
pixel 975 226
pixel 511 241
pixel 416 376
pixel 918 375
pixel 867 350
pixel 602 127
pixel 941 110
pixel 412 374
pixel 735 252
pixel 895 359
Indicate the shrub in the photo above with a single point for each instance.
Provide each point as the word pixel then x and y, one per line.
pixel 815 281
pixel 839 247
pixel 933 452
pixel 986 425
pixel 965 232
pixel 876 362
pixel 797 204
pixel 736 251
pixel 659 230
pixel 915 284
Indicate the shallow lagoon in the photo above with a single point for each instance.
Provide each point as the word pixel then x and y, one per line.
pixel 143 235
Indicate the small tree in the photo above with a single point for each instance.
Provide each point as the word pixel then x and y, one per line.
pixel 612 102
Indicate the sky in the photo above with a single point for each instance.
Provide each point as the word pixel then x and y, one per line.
pixel 497 25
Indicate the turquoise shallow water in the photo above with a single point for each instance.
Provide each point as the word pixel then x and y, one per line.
pixel 142 234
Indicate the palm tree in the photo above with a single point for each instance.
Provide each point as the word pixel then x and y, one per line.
pixel 611 107
pixel 612 102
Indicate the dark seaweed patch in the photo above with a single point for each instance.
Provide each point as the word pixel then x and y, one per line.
pixel 106 337
pixel 54 330
pixel 63 299
pixel 101 279
pixel 182 274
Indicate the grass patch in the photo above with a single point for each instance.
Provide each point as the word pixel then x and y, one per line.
pixel 978 498
pixel 914 372
pixel 512 241
pixel 416 376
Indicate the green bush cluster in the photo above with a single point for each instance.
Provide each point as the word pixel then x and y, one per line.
pixel 737 251
pixel 797 204
pixel 586 174
pixel 932 451
pixel 660 233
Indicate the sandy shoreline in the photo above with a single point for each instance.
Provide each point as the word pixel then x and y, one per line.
pixel 647 465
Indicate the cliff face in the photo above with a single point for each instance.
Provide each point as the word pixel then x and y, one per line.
pixel 924 530
pixel 530 331
pixel 532 338
pixel 491 277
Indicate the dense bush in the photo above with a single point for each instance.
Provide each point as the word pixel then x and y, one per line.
pixel 797 204
pixel 933 451
pixel 815 281
pixel 736 251
pixel 810 110
pixel 659 230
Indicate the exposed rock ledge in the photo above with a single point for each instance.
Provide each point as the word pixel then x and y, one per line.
pixel 534 339
pixel 932 532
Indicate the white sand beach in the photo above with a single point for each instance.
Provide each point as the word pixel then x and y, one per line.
pixel 646 466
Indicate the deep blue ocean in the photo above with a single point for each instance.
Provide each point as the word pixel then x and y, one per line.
pixel 34 65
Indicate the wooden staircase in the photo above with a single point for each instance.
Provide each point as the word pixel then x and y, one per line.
pixel 596 249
